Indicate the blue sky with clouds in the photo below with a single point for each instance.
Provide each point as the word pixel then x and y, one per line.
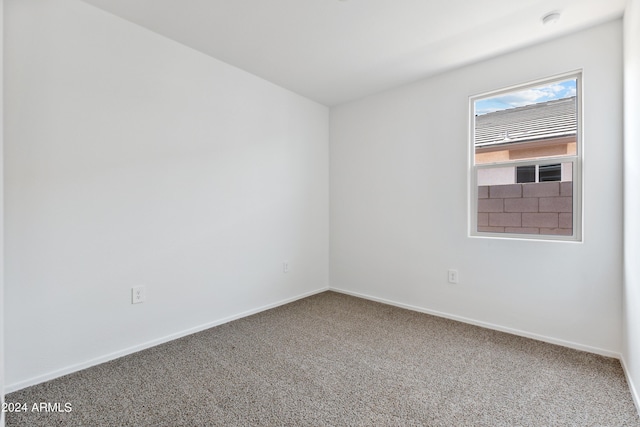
pixel 533 95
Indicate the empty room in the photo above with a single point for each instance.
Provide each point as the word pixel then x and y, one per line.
pixel 320 212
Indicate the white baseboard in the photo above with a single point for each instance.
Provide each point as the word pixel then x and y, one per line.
pixel 634 391
pixel 551 340
pixel 130 350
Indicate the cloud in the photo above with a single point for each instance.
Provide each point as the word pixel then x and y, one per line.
pixel 527 96
pixel 571 91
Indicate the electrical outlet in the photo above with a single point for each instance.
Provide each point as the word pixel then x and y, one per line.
pixel 453 276
pixel 285 267
pixel 137 295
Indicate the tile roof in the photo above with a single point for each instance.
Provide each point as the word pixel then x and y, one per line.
pixel 544 120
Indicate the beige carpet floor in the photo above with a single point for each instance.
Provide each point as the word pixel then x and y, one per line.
pixel 336 360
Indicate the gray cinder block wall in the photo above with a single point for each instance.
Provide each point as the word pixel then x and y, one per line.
pixel 533 208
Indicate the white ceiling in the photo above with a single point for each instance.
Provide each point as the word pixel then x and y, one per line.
pixel 333 51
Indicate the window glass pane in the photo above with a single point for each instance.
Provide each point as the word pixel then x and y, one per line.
pixel 525 160
pixel 532 123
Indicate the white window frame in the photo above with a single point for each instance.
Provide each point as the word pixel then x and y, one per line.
pixel 576 160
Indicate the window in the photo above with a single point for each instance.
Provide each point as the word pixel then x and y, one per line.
pixel 550 172
pixel 538 173
pixel 526 173
pixel 525 161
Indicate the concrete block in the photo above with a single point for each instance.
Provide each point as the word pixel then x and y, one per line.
pixel 566 220
pixel 541 189
pixel 566 189
pixel 546 220
pixel 505 191
pixel 483 192
pixel 491 229
pixel 491 205
pixel 505 219
pixel 556 231
pixel 521 230
pixel 556 204
pixel 483 219
pixel 521 205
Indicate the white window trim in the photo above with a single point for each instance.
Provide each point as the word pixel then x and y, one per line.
pixel 577 161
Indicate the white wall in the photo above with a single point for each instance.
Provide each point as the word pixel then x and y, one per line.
pixel 133 160
pixel 399 202
pixel 497 176
pixel 631 354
